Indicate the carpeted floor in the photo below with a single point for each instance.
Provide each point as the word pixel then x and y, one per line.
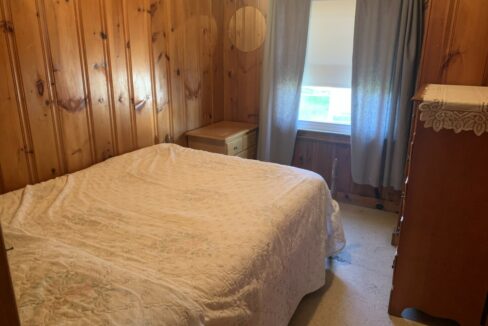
pixel 358 280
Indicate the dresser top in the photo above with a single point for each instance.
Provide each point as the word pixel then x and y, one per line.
pixel 457 108
pixel 454 95
pixel 223 130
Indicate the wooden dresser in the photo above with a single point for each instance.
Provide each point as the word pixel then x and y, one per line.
pixel 226 137
pixel 441 267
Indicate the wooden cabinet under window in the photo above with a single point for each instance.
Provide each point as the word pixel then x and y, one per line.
pixel 226 137
pixel 441 265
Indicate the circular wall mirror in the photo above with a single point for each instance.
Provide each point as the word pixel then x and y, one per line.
pixel 247 29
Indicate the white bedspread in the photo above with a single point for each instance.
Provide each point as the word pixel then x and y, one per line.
pixel 170 236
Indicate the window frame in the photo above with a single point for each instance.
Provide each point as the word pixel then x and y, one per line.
pixel 325 127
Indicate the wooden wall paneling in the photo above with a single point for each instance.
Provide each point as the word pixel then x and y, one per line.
pixel 344 181
pixel 199 38
pixel 323 164
pixel 138 30
pixel 176 54
pixel 94 37
pixel 14 164
pixel 208 37
pixel 192 49
pixel 188 33
pixel 317 151
pixel 469 46
pixel 67 69
pixel 455 51
pixel 231 86
pixel 244 69
pixel 160 32
pixel 438 28
pixel 34 82
pixel 250 64
pixel 304 154
pixel 218 8
pixel 118 64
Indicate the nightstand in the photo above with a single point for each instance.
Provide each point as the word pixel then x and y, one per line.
pixel 226 137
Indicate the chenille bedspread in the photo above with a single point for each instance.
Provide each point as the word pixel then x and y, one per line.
pixel 169 236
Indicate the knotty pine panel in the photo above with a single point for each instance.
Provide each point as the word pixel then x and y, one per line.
pixel 469 47
pixel 192 45
pixel 242 70
pixel 14 165
pixel 201 37
pixel 455 48
pixel 218 61
pixel 67 67
pixel 35 85
pixel 176 54
pixel 87 80
pixel 138 47
pixel 124 116
pixel 94 38
pixel 159 37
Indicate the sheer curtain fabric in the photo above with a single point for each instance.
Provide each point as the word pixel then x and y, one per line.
pixel 283 67
pixel 387 44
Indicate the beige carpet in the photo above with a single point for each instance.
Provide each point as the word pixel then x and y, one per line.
pixel 358 279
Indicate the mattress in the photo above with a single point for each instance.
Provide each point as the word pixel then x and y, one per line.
pixel 169 236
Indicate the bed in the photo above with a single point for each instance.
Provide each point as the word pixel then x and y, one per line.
pixel 170 236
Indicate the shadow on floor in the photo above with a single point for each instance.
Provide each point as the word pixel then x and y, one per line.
pixel 313 301
pixel 423 318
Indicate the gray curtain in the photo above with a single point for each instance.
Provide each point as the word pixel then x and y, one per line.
pixel 387 45
pixel 283 66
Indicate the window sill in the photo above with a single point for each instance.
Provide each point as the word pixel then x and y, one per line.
pixel 331 128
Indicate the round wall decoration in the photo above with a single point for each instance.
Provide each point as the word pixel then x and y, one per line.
pixel 247 29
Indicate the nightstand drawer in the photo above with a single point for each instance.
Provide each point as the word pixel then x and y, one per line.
pixel 249 140
pixel 208 145
pixel 235 146
pixel 250 153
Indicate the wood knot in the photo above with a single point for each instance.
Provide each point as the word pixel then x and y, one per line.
pixel 40 87
pixel 73 105
pixel 155 36
pixel 450 58
pixel 191 93
pixel 7 26
pixel 152 10
pixel 98 66
pixel 139 106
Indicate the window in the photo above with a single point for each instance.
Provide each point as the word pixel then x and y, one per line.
pixel 326 92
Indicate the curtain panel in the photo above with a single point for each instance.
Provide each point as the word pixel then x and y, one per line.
pixel 387 46
pixel 283 66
